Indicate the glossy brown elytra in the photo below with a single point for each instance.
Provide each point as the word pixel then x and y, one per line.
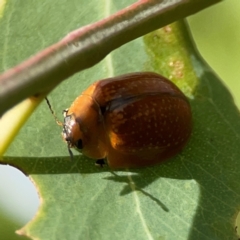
pixel 133 120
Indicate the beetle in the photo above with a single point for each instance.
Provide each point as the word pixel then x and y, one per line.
pixel 134 120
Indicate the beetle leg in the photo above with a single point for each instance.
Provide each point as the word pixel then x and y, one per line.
pixel 100 163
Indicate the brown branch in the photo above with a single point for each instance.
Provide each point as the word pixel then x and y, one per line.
pixel 88 45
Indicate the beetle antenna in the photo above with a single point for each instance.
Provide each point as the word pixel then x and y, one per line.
pixel 68 142
pixel 53 113
pixel 70 152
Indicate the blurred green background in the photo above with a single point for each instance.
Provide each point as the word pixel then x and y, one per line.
pixel 216 32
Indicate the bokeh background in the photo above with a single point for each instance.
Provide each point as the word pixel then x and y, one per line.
pixel 216 32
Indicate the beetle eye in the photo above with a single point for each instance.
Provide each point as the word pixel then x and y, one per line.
pixel 79 144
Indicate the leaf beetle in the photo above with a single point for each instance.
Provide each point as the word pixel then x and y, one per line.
pixel 134 120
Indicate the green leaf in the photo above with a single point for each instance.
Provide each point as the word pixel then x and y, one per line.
pixel 193 196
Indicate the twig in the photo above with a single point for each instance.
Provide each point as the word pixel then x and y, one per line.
pixel 88 45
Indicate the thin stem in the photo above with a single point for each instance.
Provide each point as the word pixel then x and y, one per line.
pixel 88 45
